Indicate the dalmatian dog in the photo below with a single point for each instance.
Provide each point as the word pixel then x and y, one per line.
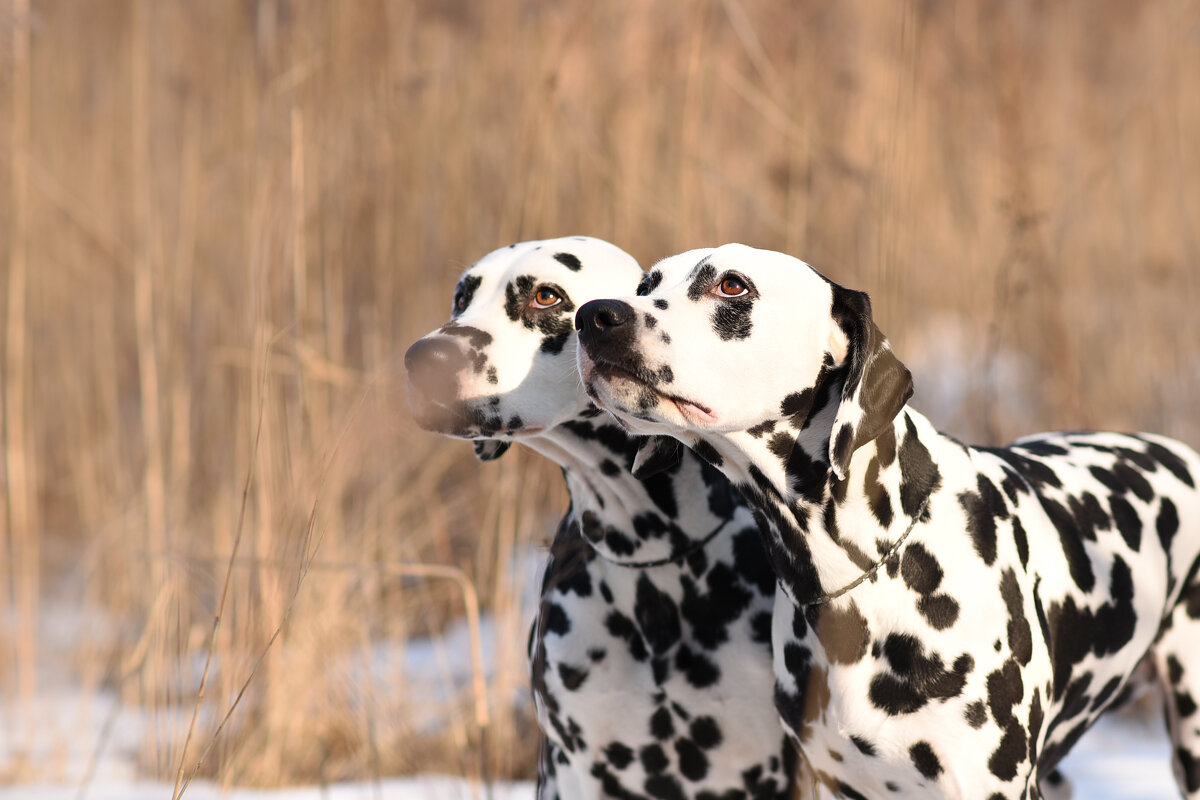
pixel 651 652
pixel 951 619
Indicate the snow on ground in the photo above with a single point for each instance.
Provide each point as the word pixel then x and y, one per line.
pixel 1122 758
pixel 434 787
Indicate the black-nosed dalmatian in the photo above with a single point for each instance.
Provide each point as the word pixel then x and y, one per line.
pixel 952 618
pixel 651 654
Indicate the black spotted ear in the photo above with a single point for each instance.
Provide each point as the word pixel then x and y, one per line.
pixel 656 454
pixel 490 449
pixel 877 384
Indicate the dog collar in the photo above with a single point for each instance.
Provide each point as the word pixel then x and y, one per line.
pixel 678 558
pixel 869 574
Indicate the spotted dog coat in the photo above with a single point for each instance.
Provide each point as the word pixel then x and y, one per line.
pixel 650 655
pixel 951 619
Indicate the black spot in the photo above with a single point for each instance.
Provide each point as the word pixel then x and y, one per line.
pixel 918 677
pixel 711 608
pixel 657 616
pixel 925 760
pixel 1174 464
pixel 619 755
pixel 653 759
pixel 1129 524
pixel 983 508
pixel 609 468
pixel 1021 540
pixel 1020 637
pixel 1133 479
pixel 553 344
pixel 920 569
pixel 662 305
pixel 1106 694
pixel 622 627
pixel 705 732
pixel 919 476
pixel 864 747
pixel 649 283
pixel 556 619
pixel 1010 753
pixel 1075 632
pixel 842 442
pixel 939 610
pixel 1034 472
pixel 1072 544
pixel 707 452
pixel 1116 619
pixel 650 321
pixel 878 499
pixel 572 677
pixel 664 787
pixel 1190 767
pixel 568 260
pixel 1167 524
pixel 797 406
pixel 661 724
pixel 1108 479
pixel 700 285
pixel 692 761
pixel 976 714
pixel 849 792
pixel 1005 689
pixel 515 294
pixel 699 670
pixel 731 317
pixel 1184 704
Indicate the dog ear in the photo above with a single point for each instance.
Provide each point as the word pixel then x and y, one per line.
pixel 656 454
pixel 877 384
pixel 490 449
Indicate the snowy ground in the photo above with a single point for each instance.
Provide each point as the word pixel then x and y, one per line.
pixel 1120 759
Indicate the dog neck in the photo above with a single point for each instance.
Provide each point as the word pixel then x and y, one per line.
pixel 626 520
pixel 824 534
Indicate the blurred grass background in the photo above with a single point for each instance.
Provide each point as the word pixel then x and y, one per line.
pixel 222 222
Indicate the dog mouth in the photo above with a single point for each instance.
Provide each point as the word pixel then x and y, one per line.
pixel 593 369
pixel 461 419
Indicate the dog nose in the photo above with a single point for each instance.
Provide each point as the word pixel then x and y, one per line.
pixel 597 318
pixel 433 364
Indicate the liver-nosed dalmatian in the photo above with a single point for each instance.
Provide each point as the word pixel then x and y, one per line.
pixel 951 618
pixel 651 654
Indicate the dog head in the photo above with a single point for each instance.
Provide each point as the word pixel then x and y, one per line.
pixel 504 365
pixel 733 339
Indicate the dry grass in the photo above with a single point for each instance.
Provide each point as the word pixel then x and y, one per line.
pixel 224 221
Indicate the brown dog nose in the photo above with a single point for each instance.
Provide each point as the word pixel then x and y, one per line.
pixel 433 364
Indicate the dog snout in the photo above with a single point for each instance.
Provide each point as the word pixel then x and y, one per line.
pixel 603 320
pixel 433 365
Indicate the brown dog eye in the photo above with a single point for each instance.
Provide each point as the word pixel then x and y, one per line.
pixel 732 287
pixel 545 297
pixel 460 302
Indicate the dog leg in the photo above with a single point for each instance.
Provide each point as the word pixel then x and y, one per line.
pixel 1177 656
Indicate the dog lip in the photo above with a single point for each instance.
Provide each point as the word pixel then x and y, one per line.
pixel 607 369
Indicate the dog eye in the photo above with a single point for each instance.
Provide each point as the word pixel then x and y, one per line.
pixel 732 287
pixel 545 297
pixel 460 301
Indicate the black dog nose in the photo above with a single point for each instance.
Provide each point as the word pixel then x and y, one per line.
pixel 433 364
pixel 598 318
